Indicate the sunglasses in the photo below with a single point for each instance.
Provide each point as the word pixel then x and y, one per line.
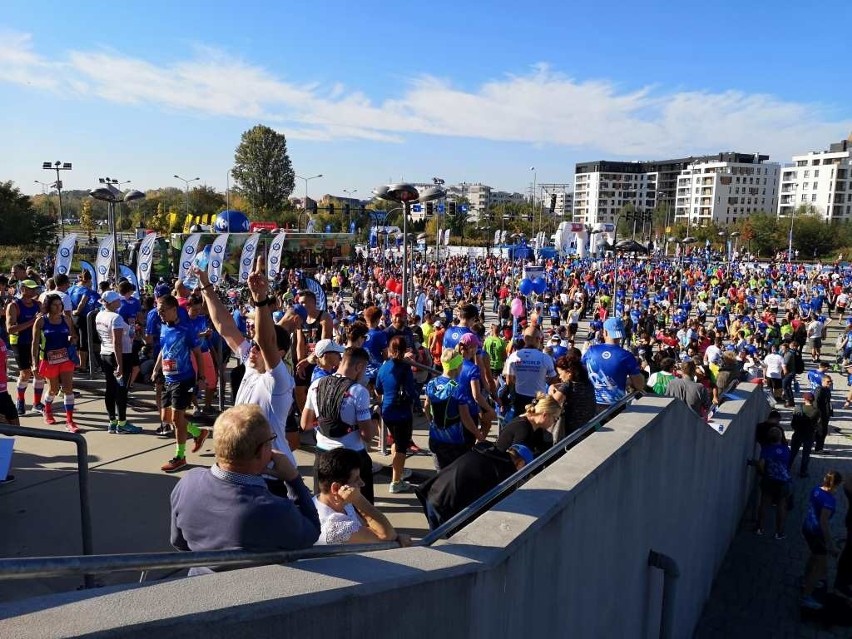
pixel 264 443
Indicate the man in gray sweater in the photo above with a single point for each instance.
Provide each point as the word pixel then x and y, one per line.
pixel 686 388
pixel 230 506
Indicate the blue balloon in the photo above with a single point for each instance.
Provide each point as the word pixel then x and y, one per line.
pixel 526 286
pixel 231 221
pixel 539 285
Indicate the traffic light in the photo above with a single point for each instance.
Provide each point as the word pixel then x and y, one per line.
pixel 430 209
pixel 312 206
pixel 553 203
pixel 331 209
pixel 346 209
pixel 451 208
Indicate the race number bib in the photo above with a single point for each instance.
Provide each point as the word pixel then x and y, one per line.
pixel 57 356
pixel 169 366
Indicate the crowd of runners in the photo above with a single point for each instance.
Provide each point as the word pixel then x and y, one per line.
pixel 498 376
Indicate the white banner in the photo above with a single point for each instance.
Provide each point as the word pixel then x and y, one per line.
pixel 309 227
pixel 187 254
pixel 496 237
pixel 447 237
pixel 217 257
pixel 104 261
pixel 64 255
pixel 145 259
pixel 247 258
pixel 273 260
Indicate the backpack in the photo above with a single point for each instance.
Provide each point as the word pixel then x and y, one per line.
pixel 801 422
pixel 446 426
pixel 331 391
pixel 800 363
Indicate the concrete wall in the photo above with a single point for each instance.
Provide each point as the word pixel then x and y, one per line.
pixel 564 555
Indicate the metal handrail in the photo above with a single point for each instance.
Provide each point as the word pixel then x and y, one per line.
pixel 22 568
pixel 83 481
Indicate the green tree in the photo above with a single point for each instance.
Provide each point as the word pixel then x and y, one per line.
pixel 262 169
pixel 204 200
pixel 21 224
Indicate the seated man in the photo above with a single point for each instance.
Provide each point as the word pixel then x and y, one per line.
pixel 230 506
pixel 468 478
pixel 346 517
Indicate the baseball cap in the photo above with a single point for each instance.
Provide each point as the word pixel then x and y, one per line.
pixel 470 338
pixel 398 310
pixel 328 346
pixel 29 284
pixel 109 297
pixel 301 311
pixel 162 290
pixel 439 324
pixel 523 452
pixel 614 328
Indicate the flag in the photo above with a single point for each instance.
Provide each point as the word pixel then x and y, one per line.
pixel 102 264
pixel 126 272
pixel 314 286
pixel 217 257
pixel 64 255
pixel 309 227
pixel 447 237
pixel 146 258
pixel 421 305
pixel 87 266
pixel 273 259
pixel 496 237
pixel 187 254
pixel 247 257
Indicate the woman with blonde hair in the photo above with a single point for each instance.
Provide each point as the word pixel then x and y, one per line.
pixel 532 428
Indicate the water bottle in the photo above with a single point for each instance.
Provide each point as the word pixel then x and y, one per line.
pixel 200 262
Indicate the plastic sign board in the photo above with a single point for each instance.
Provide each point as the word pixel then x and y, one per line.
pixel 262 226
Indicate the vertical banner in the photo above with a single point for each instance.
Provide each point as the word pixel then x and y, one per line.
pixel 420 306
pixel 447 237
pixel 217 257
pixel 496 237
pixel 104 261
pixel 247 258
pixel 87 266
pixel 312 285
pixel 504 236
pixel 145 258
pixel 127 273
pixel 309 227
pixel 64 255
pixel 187 254
pixel 273 260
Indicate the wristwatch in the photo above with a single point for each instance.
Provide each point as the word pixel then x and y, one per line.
pixel 265 302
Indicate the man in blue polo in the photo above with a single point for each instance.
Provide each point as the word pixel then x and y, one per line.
pixel 611 367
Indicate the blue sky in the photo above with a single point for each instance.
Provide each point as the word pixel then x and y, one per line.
pixel 373 91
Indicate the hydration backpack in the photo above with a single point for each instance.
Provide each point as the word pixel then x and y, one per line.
pixel 331 391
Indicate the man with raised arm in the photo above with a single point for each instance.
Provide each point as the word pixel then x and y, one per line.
pixel 267 381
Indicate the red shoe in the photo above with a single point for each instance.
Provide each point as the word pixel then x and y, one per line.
pixel 414 449
pixel 174 464
pixel 199 441
pixel 48 414
pixel 71 427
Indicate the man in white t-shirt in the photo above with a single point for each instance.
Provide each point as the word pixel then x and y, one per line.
pixel 62 284
pixel 353 424
pixel 773 367
pixel 815 330
pixel 530 370
pixel 267 382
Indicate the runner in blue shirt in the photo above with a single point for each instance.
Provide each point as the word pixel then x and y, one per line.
pixel 179 344
pixel 817 532
pixel 610 366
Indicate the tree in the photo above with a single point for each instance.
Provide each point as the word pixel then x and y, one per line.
pixel 262 169
pixel 21 224
pixel 204 200
pixel 87 220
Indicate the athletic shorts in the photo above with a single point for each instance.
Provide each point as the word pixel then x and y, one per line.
pixel 7 408
pixel 816 343
pixel 401 430
pixel 816 543
pixel 24 355
pixel 52 371
pixel 777 491
pixel 178 395
pixel 82 327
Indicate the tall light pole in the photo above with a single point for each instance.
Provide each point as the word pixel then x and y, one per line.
pixel 532 194
pixel 306 180
pixel 349 194
pixel 438 182
pixel 58 166
pixel 111 195
pixel 186 185
pixel 790 238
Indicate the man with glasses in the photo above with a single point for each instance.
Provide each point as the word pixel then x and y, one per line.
pixel 231 506
pixel 267 381
pixel 179 343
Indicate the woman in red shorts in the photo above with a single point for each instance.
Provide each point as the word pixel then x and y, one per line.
pixel 54 337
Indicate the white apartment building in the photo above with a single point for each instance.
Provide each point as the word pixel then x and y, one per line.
pixel 822 180
pixel 726 190
pixel 603 190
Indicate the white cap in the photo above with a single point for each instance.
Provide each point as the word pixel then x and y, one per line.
pixel 328 346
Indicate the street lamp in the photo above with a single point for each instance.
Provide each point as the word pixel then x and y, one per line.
pixel 687 240
pixel 405 194
pixel 186 184
pixel 306 180
pixel 58 166
pixel 727 236
pixel 111 195
pixel 349 194
pixel 790 239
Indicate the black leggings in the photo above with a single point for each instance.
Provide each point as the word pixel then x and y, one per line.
pixel 116 394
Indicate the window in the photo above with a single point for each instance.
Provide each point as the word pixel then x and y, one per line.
pixel 804 198
pixel 806 186
pixel 816 173
pixel 807 174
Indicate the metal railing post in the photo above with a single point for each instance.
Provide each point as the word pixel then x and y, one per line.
pixel 82 479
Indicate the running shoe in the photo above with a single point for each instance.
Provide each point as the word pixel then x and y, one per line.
pixel 810 603
pixel 10 479
pixel 112 429
pixel 48 415
pixel 199 441
pixel 22 409
pixel 174 464
pixel 129 429
pixel 39 408
pixel 71 427
pixel 400 487
pixel 165 430
pixel 780 536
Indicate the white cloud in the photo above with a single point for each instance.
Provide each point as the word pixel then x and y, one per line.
pixel 542 107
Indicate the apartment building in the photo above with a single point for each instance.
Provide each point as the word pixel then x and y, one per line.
pixel 822 180
pixel 726 189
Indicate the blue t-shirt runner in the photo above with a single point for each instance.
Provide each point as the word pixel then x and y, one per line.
pixel 609 366
pixel 177 343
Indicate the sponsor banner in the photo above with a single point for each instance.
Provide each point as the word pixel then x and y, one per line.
pixel 217 257
pixel 247 257
pixel 104 261
pixel 64 255
pixel 273 259
pixel 127 272
pixel 87 266
pixel 314 286
pixel 146 258
pixel 187 254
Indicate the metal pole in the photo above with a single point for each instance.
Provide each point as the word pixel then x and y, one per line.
pixel 111 213
pixel 790 242
pixel 59 192
pixel 405 255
